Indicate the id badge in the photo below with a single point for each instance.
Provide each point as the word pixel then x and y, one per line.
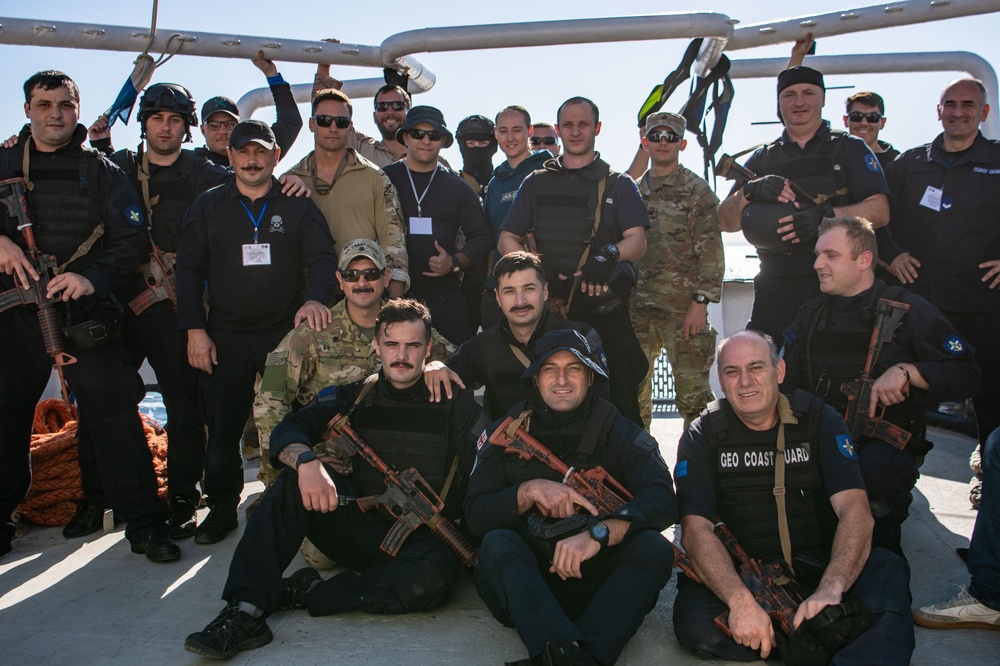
pixel 257 254
pixel 421 226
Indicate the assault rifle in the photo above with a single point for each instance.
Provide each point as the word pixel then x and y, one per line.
pixel 779 601
pixel 160 282
pixel 859 421
pixel 12 194
pixel 408 497
pixel 595 484
pixel 730 169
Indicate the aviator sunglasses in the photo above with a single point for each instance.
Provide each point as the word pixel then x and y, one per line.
pixel 354 274
pixel 547 140
pixel 323 120
pixel 382 107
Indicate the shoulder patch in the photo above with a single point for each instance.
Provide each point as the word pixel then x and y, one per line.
pixel 482 440
pixel 134 216
pixel 645 442
pixel 953 345
pixel 327 395
pixel 278 357
pixel 682 469
pixel 872 163
pixel 846 447
pixel 789 337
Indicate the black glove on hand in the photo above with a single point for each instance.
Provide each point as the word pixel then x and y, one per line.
pixel 807 221
pixel 764 190
pixel 597 270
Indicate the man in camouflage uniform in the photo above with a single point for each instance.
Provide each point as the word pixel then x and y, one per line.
pixel 355 197
pixel 307 361
pixel 681 272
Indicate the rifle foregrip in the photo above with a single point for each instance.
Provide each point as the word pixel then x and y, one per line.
pixel 450 536
pixel 52 337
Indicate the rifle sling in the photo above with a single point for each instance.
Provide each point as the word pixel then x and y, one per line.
pixel 525 361
pixel 785 415
pixel 596 212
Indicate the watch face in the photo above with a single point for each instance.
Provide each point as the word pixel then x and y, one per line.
pixel 600 258
pixel 599 532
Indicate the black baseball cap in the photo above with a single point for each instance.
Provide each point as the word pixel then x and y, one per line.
pixel 565 339
pixel 220 105
pixel 252 130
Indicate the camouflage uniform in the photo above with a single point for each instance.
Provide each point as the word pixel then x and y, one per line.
pixel 307 361
pixel 684 256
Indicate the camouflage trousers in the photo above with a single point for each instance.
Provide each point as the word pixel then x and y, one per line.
pixel 691 360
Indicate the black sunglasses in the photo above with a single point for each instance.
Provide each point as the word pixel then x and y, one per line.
pixel 354 274
pixel 872 117
pixel 658 136
pixel 382 107
pixel 547 140
pixel 419 134
pixel 323 120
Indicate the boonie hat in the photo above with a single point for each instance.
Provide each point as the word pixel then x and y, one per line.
pixel 252 130
pixel 672 121
pixel 429 115
pixel 565 339
pixel 220 105
pixel 362 247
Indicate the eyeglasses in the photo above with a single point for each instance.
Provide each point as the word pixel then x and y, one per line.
pixel 657 137
pixel 539 140
pixel 419 134
pixel 216 125
pixel 872 117
pixel 382 107
pixel 354 274
pixel 323 120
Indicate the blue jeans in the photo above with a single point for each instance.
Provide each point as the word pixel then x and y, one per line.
pixel 984 550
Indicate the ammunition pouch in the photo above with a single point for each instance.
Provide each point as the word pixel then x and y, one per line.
pixel 92 324
pixel 823 635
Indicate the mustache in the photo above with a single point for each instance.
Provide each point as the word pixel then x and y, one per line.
pixel 363 290
pixel 401 364
pixel 522 308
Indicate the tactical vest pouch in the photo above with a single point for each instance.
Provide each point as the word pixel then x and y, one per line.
pixel 93 324
pixel 820 637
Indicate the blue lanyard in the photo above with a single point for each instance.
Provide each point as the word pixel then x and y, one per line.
pixel 256 223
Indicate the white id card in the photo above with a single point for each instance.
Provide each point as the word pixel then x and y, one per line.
pixel 421 226
pixel 931 198
pixel 257 254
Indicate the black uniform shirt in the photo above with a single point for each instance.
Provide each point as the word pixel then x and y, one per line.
pixel 255 297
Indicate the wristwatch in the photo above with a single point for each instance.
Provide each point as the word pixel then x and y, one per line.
pixel 612 251
pixel 700 299
pixel 456 265
pixel 305 457
pixel 600 534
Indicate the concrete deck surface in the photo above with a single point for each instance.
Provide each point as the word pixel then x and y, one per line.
pixel 92 601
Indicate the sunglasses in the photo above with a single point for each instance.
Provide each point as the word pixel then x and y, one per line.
pixel 216 125
pixel 539 140
pixel 323 120
pixel 382 107
pixel 419 134
pixel 354 274
pixel 657 137
pixel 872 117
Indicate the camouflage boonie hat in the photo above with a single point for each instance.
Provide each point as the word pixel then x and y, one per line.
pixel 362 247
pixel 672 121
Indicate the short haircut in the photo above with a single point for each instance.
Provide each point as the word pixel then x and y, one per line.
pixel 391 88
pixel 50 79
pixel 518 261
pixel 514 107
pixel 968 79
pixel 543 125
pixel 332 95
pixel 860 234
pixel 868 99
pixel 579 100
pixel 772 349
pixel 403 309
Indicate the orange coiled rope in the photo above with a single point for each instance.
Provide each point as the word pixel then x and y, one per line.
pixel 55 468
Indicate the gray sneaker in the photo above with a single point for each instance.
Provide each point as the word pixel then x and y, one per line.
pixel 962 612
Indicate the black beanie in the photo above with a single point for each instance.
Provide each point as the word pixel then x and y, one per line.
pixel 795 75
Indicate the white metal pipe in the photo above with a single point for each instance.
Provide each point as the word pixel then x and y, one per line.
pixel 856 20
pixel 545 33
pixel 880 63
pixel 259 98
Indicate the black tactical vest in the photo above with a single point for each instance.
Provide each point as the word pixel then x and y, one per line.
pixel 744 480
pixel 816 174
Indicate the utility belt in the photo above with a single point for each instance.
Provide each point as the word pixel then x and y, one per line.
pixel 92 323
pixel 161 285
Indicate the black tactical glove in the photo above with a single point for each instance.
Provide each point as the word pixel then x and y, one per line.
pixel 764 190
pixel 820 637
pixel 807 221
pixel 598 268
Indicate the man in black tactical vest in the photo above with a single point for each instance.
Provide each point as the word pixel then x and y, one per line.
pixel 391 413
pixel 926 361
pixel 497 357
pixel 782 474
pixel 589 224
pixel 168 179
pixel 808 173
pixel 88 216
pixel 578 599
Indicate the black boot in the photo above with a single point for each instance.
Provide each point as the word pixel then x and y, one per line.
pixel 232 631
pixel 88 519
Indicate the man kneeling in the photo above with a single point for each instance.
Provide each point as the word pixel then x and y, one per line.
pixel 310 498
pixel 575 600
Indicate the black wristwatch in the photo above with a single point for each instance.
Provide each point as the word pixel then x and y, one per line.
pixel 456 265
pixel 600 534
pixel 612 251
pixel 700 299
pixel 305 457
